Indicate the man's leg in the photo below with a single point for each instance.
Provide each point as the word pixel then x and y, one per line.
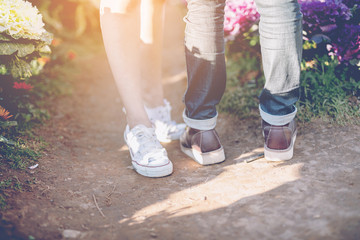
pixel 205 61
pixel 281 48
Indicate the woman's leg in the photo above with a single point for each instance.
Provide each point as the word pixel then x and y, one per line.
pixel 120 23
pixel 151 35
pixel 121 30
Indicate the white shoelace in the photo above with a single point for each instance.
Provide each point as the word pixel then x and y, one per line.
pixel 144 144
pixel 161 113
pixel 161 118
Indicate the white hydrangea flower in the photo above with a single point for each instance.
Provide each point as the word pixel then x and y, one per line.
pixel 19 19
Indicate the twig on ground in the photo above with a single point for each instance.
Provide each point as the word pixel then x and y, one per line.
pixel 47 189
pixel 97 206
pixel 251 158
pixel 108 199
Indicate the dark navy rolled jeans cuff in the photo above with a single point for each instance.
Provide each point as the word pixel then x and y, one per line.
pixel 204 124
pixel 277 120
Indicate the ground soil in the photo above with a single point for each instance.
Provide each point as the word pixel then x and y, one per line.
pixel 316 195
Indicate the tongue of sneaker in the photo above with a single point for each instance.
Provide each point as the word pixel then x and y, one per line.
pixel 161 113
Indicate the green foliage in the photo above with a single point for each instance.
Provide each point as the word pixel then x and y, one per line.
pixel 15 157
pixel 20 49
pixel 12 184
pixel 243 85
pixel 16 58
pixel 22 38
pixel 327 91
pixel 18 156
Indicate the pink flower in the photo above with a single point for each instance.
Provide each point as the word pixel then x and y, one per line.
pixel 22 85
pixel 240 15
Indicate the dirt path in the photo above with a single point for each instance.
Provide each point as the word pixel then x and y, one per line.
pixel 314 196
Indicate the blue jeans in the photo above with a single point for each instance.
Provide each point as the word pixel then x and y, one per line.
pixel 281 47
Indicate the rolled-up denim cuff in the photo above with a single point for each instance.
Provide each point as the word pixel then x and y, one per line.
pixel 205 124
pixel 277 120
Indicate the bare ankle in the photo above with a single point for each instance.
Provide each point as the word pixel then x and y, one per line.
pixel 154 102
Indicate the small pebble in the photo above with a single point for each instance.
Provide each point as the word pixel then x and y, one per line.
pixel 69 233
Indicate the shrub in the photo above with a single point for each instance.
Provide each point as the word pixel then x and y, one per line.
pixel 330 69
pixel 328 92
pixel 335 25
pixel 24 46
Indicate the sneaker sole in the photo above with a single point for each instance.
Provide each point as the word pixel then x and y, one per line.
pixel 280 155
pixel 153 172
pixel 209 158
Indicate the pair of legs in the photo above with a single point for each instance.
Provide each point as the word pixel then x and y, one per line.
pixel 281 47
pixel 132 33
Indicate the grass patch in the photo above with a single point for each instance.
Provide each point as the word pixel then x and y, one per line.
pixel 11 185
pixel 329 90
pixel 244 84
pixel 18 156
pixel 14 159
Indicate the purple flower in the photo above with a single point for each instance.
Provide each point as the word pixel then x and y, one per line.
pixel 319 14
pixel 334 19
pixel 346 44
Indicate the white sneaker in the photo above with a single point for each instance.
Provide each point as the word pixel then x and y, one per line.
pixel 166 130
pixel 149 158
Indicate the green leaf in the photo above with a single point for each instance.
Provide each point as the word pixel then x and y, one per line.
pixel 43 50
pixel 3 69
pixel 22 49
pixel 19 68
pixel 5 124
pixel 46 37
pixel 6 141
pixel 4 37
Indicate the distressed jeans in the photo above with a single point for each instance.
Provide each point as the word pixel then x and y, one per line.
pixel 280 32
